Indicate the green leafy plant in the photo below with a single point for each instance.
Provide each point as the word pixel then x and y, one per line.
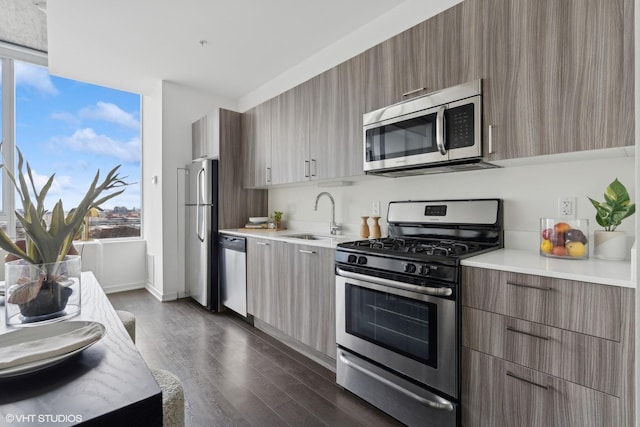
pixel 277 216
pixel 47 245
pixel 616 206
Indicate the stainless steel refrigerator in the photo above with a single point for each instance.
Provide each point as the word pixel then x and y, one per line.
pixel 201 248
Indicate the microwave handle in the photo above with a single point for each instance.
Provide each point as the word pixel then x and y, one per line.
pixel 440 130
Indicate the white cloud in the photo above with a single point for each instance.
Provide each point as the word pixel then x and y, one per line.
pixel 59 185
pixel 36 77
pixel 88 141
pixel 66 117
pixel 110 113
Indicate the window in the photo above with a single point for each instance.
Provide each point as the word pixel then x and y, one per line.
pixel 73 129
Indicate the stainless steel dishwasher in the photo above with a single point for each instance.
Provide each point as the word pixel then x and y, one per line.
pixel 233 273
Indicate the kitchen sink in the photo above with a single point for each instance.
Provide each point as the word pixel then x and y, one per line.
pixel 309 237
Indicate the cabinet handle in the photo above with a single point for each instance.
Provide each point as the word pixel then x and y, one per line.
pixel 528 286
pixel 314 167
pixel 306 168
pixel 512 375
pixel 411 92
pixel 262 243
pixel 304 251
pixel 490 137
pixel 509 328
pixel 268 174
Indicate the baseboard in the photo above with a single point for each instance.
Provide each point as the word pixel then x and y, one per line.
pixel 123 287
pixel 160 296
pixel 311 353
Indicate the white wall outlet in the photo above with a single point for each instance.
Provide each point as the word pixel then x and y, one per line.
pixel 567 207
pixel 375 208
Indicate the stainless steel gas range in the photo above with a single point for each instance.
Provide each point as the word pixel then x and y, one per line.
pixel 398 307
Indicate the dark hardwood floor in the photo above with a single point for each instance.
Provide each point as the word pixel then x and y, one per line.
pixel 235 375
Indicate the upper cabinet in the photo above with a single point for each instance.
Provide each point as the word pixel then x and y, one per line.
pixel 290 135
pixel 557 76
pixel 442 51
pixel 205 137
pixel 314 130
pixel 256 137
pixel 335 123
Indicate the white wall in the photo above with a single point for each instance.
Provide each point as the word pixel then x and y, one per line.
pixel 530 192
pixel 152 192
pixel 165 153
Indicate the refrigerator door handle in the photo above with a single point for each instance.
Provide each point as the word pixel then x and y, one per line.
pixel 200 187
pixel 199 197
pixel 200 224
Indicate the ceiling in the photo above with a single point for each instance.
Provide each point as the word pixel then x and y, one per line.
pixel 133 44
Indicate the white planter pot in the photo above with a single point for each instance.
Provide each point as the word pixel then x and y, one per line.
pixel 610 245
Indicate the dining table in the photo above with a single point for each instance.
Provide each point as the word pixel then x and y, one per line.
pixel 106 384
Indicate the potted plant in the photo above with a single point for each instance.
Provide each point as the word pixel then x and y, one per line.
pixel 42 275
pixel 277 219
pixel 609 243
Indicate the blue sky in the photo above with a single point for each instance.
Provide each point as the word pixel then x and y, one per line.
pixel 72 129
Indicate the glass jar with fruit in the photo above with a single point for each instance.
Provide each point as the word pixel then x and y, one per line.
pixel 563 238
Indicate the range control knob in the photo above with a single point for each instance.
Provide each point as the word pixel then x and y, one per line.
pixel 352 259
pixel 424 270
pixel 410 268
pixel 362 260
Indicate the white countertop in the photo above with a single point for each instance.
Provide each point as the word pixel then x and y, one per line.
pixel 327 240
pixel 615 273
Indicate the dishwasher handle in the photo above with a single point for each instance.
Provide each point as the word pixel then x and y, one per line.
pixel 234 243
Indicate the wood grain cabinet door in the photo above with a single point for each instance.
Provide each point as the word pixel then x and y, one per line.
pixel 557 76
pixel 443 51
pixel 336 135
pixel 496 393
pixel 395 69
pixel 267 288
pixel 312 302
pixel 290 135
pixel 582 307
pixel 583 359
pixel 255 131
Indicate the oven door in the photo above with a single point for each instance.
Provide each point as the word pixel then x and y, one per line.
pixel 409 332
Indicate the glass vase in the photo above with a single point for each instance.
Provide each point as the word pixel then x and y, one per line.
pixel 42 293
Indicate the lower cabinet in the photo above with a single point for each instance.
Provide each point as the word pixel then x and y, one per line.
pixel 267 290
pixel 499 393
pixel 542 351
pixel 292 288
pixel 312 297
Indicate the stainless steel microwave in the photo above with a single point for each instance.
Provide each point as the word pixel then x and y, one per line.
pixel 438 132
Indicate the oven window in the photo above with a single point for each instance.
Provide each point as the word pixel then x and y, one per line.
pixel 400 324
pixel 406 138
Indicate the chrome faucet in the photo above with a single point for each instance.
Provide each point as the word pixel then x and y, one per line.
pixel 333 226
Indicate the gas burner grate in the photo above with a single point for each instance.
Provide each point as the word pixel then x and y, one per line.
pixel 417 246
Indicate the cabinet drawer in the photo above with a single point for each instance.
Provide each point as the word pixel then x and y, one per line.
pixel 583 359
pixel 577 306
pixel 497 393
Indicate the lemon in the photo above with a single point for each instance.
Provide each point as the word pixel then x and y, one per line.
pixel 546 246
pixel 576 249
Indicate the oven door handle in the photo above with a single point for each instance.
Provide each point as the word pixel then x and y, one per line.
pixel 444 405
pixel 436 292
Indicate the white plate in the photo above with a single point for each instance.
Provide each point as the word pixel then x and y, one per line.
pixel 39 332
pixel 258 219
